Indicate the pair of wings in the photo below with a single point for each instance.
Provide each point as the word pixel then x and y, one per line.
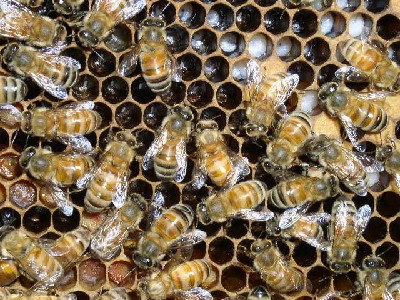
pixel 130 8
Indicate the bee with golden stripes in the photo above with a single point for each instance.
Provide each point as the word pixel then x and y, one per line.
pixel 347 225
pixel 183 280
pixel 223 166
pixel 53 73
pixel 8 271
pixel 158 65
pixel 390 157
pixel 266 97
pixel 369 62
pixel 291 134
pixel 67 7
pixel 274 270
pixel 357 171
pixel 12 90
pixel 12 294
pixel 20 23
pixel 168 230
pixel 168 151
pixel 107 240
pixel 114 294
pixel 104 15
pixel 237 202
pixel 109 180
pixel 32 259
pixel 393 285
pixel 353 109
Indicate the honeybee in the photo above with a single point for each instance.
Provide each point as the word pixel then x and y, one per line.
pixel 223 166
pixel 298 189
pixel 355 170
pixel 168 149
pixel 6 294
pixel 393 285
pixel 354 110
pixel 267 96
pixel 291 134
pixel 54 73
pixel 110 179
pixel 8 271
pixel 12 90
pixel 236 202
pixel 104 15
pixel 114 294
pixel 158 64
pixel 32 259
pixel 183 279
pixel 369 62
pixel 107 240
pixel 67 7
pixel 19 22
pixel 391 160
pixel 347 225
pixel 274 270
pixel 168 230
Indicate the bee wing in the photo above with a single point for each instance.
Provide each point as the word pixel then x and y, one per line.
pixel 342 211
pixel 292 215
pixel 78 143
pixel 351 131
pixel 128 11
pixel 321 218
pixel 121 189
pixel 47 84
pixel 396 178
pixel 254 74
pixel 60 198
pixel 129 61
pixel 181 160
pixel 174 69
pixel 371 165
pixel 56 59
pixel 240 169
pixel 196 293
pixel 89 105
pixel 12 13
pixel 284 88
pixel 387 295
pixel 84 181
pixel 155 208
pixel 373 96
pixel 351 74
pixel 154 149
pixel 10 115
pixel 54 49
pixel 184 243
pixel 253 215
pixel 199 175
pixel 361 219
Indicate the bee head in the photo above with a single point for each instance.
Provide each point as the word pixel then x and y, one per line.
pixel 184 111
pixel 206 125
pixel 9 53
pixel 151 21
pixel 383 152
pixel 138 199
pixel 143 262
pixel 87 38
pixel 327 90
pixel 126 137
pixel 259 246
pixel 63 7
pixel 152 30
pixel 373 262
pixel 203 214
pixel 26 156
pixel 60 34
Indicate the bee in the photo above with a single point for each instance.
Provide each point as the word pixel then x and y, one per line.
pixel 67 7
pixel 110 179
pixel 12 90
pixel 104 15
pixel 168 149
pixel 354 110
pixel 6 294
pixel 393 285
pixel 183 279
pixel 107 240
pixel 236 202
pixel 267 96
pixel 347 225
pixel 53 73
pixel 32 259
pixel 298 189
pixel 391 160
pixel 114 294
pixel 20 23
pixel 8 271
pixel 158 64
pixel 355 170
pixel 369 62
pixel 223 166
pixel 274 270
pixel 291 134
pixel 32 3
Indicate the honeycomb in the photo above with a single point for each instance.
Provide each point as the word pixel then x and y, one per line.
pixel 212 41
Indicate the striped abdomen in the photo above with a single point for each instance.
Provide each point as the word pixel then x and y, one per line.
pixel 115 294
pixel 190 274
pixel 361 55
pixel 216 161
pixel 8 272
pixel 156 70
pixel 296 129
pixel 303 228
pixel 393 285
pixel 64 75
pixel 165 164
pixel 81 121
pixel 12 90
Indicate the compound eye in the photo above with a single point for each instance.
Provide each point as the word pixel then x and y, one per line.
pixel 147 262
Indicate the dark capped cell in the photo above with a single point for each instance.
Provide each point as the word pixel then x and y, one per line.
pixel 4 141
pixel 388 27
pixel 164 10
pixel 177 39
pixel 10 217
pixel 128 115
pixel 114 89
pixel 216 114
pixel 376 6
pixel 101 62
pixel 248 18
pixel 288 48
pixel 305 23
pixel 190 66
pixel 220 17
pixel 192 14
pixel 276 20
pixel 220 250
pixel 232 44
pixel 37 219
pixel 233 278
pixel 317 51
pixel 119 39
pixel 141 92
pixel 23 193
pixel 65 223
pixel 76 54
pixel 326 74
pixel 229 96
pixel 105 113
pixel 170 192
pixel 20 139
pixel 388 204
pixel 236 122
pixel 305 72
pixel 216 68
pixel 144 137
pixel 33 89
pixel 204 42
pixel 253 150
pixel 86 88
pixel 376 230
pixel 154 114
pixel 199 94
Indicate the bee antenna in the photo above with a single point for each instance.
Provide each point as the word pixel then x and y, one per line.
pixel 163 9
pixel 380 254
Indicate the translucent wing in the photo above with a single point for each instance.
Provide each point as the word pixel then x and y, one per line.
pixel 154 149
pixel 181 160
pixel 284 88
pixel 199 175
pixel 54 49
pixel 121 10
pixel 292 215
pixel 59 59
pixel 10 115
pixel 253 215
pixel 361 219
pixel 175 70
pixel 47 84
pixel 371 165
pixel 155 208
pixel 342 211
pixel 254 74
pixel 129 61
pixel 60 198
pixel 197 293
pixel 240 169
pixel 351 74
pixel 191 237
pixel 78 143
pixel 373 96
pixel 396 178
pixel 89 105
pixel 13 16
pixel 351 131
pixel 121 189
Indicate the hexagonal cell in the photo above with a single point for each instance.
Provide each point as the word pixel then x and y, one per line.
pixel 305 23
pixel 204 42
pixel 248 18
pixel 236 228
pixel 344 282
pixel 233 279
pixel 260 46
pixel 360 25
pixel 305 72
pixel 86 88
pixel 220 17
pixel 363 250
pixel 376 6
pixel 348 5
pixel 216 68
pixel 128 115
pixel 220 250
pixel 229 96
pixel 121 273
pixel 192 14
pixel 3 139
pixel 154 114
pixel 170 192
pixel 388 27
pixel 317 51
pixel 288 48
pixel 199 94
pixel 232 44
pixel 101 62
pixel 114 89
pixel 394 52
pixel 359 201
pixel 141 92
pixel 326 74
pixel 219 295
pixel 332 24
pixel 304 254
pixel 177 39
pixel 236 122
pixel 388 204
pixel 119 39
pixel 376 230
pixel 92 274
pixel 239 70
pixel 105 113
pixel 214 113
pixel 10 217
pixel 190 66
pixel 9 166
pixel 164 10
pixel 22 193
pixel 276 20
pixel 199 250
pixel 76 54
pixel 20 140
pixel 37 219
pixel 65 223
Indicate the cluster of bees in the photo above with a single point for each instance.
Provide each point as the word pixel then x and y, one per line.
pixel 289 136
